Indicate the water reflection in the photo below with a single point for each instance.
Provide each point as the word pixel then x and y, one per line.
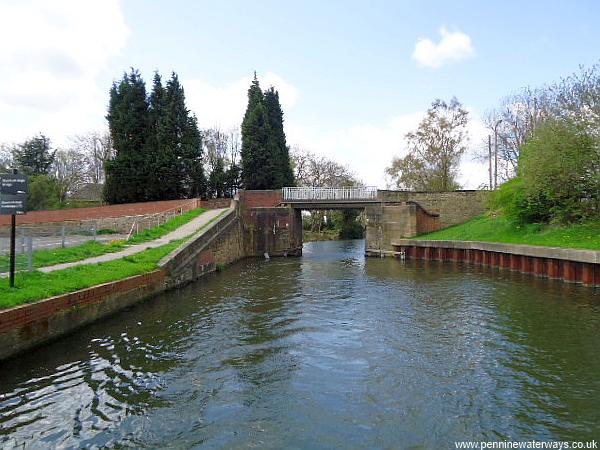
pixel 325 351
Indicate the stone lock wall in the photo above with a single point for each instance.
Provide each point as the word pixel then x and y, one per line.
pixel 385 224
pixel 453 207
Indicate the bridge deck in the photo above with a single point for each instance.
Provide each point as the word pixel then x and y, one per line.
pixel 329 195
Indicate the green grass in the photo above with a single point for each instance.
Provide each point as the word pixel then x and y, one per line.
pixel 50 257
pixel 33 286
pixel 38 285
pixel 149 234
pixel 499 229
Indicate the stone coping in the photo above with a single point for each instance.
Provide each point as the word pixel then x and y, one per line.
pixel 570 254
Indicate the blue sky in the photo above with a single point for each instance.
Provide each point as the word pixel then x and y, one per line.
pixel 350 79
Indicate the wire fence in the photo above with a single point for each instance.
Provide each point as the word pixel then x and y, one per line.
pixel 32 241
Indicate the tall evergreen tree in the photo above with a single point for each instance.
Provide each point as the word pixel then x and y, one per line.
pixel 34 156
pixel 284 175
pixel 127 175
pixel 257 163
pixel 155 156
pixel 180 145
pixel 265 154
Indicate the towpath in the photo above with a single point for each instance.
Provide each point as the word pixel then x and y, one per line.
pixel 183 231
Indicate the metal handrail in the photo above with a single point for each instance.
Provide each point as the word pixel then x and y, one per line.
pixel 320 193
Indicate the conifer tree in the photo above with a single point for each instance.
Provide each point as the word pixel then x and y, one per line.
pixel 34 156
pixel 155 157
pixel 181 145
pixel 127 174
pixel 257 165
pixel 265 155
pixel 284 175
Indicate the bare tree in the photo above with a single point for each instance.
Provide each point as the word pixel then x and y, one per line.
pixel 318 171
pixel 514 121
pixel 69 169
pixel 96 148
pixel 5 158
pixel 216 147
pixel 235 145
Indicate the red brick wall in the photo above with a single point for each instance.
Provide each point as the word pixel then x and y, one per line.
pixel 101 212
pixel 426 221
pixel 257 199
pixel 24 315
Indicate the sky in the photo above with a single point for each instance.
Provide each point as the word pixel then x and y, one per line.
pixel 353 77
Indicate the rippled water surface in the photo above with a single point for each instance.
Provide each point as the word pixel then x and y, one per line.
pixel 330 350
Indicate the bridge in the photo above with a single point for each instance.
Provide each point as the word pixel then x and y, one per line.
pixel 329 198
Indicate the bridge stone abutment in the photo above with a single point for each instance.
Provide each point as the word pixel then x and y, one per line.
pixel 406 214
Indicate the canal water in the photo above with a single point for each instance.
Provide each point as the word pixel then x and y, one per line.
pixel 330 350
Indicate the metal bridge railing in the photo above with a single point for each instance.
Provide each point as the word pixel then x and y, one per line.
pixel 334 194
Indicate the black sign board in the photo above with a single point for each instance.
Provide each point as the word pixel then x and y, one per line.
pixel 13 194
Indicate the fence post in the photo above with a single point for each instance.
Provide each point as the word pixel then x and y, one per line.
pixel 94 230
pixel 29 253
pixel 22 242
pixel 62 236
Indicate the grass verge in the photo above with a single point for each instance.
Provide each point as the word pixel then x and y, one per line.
pixel 33 286
pixel 50 257
pixel 499 229
pixel 38 285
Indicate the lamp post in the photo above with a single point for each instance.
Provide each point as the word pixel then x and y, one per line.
pixel 496 153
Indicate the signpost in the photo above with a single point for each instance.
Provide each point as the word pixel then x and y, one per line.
pixel 13 202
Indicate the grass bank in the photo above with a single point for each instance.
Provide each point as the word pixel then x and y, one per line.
pixel 50 257
pixel 498 229
pixel 32 286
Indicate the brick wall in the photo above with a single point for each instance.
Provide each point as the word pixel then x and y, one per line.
pixel 101 212
pixel 253 199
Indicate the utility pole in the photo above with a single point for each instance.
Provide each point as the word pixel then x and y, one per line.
pixel 496 153
pixel 490 160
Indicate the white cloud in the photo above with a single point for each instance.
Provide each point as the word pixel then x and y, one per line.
pixel 224 106
pixel 454 46
pixel 52 57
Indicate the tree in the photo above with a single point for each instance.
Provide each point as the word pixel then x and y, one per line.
pixel 34 156
pixel 514 123
pixel 216 150
pixel 317 171
pixel 5 158
pixel 44 193
pixel 217 180
pixel 69 171
pixel 434 150
pixel 178 154
pixel 96 148
pixel 128 174
pixel 559 175
pixel 277 141
pixel 265 156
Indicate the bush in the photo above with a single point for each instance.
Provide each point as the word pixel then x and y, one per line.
pixel 513 200
pixel 44 193
pixel 558 177
pixel 560 171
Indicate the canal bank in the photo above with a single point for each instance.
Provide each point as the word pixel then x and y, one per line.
pixel 566 264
